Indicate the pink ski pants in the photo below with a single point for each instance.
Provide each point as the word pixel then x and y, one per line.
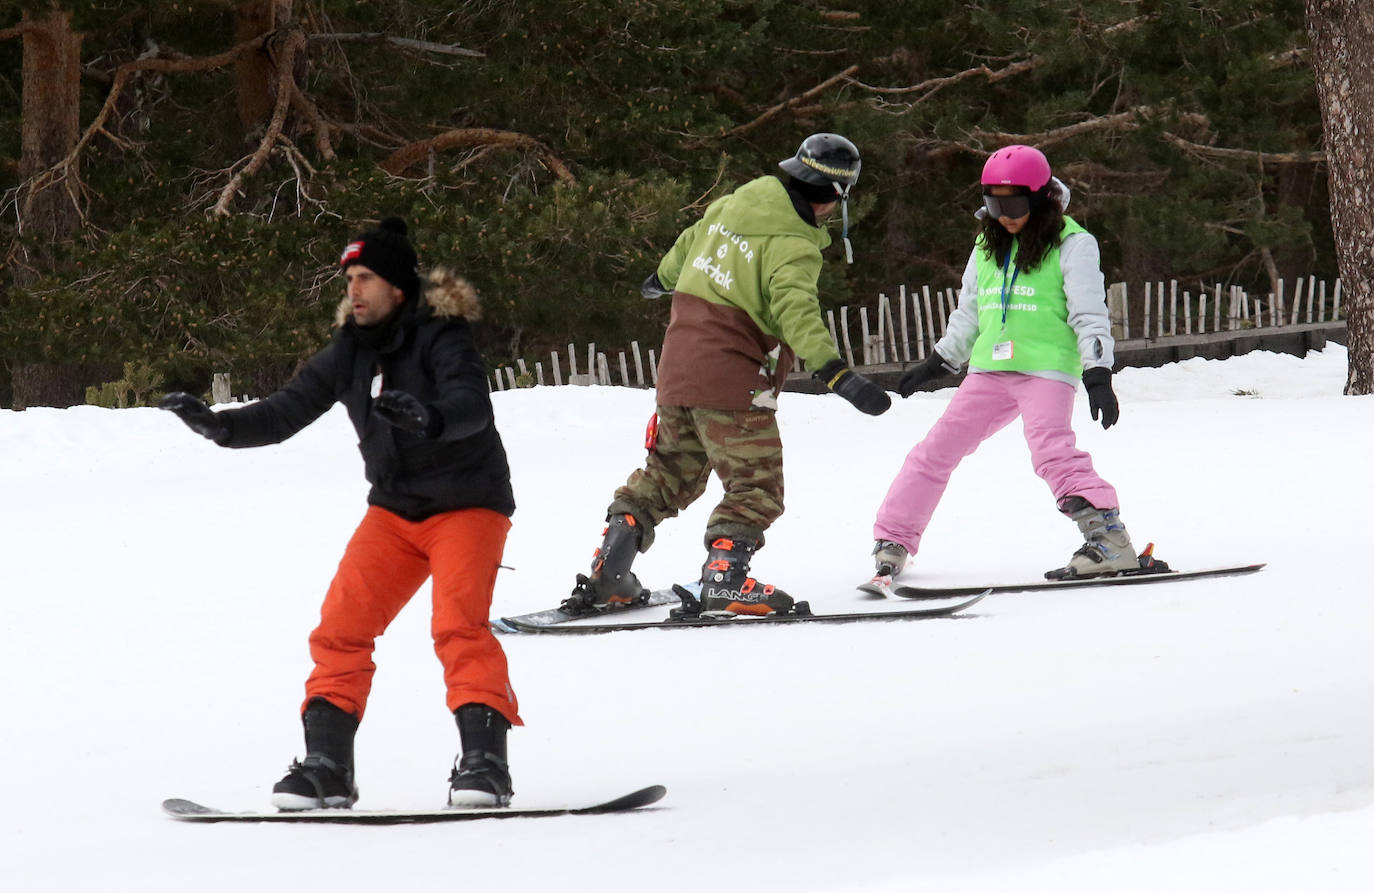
pixel 986 403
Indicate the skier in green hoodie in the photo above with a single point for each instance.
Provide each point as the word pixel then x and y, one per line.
pixel 743 283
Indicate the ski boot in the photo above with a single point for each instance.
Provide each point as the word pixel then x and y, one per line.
pixel 1106 550
pixel 888 558
pixel 324 779
pixel 610 584
pixel 481 776
pixel 726 586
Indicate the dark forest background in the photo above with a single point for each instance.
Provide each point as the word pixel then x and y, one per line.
pixel 177 179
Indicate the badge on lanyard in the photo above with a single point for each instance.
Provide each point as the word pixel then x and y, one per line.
pixel 1002 351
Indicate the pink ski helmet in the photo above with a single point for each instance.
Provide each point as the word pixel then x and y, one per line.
pixel 1017 166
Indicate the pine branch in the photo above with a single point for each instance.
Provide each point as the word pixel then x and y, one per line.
pixel 294 42
pixel 406 43
pixel 122 75
pixel 18 30
pixel 406 157
pixel 781 107
pixel 1252 155
pixel 933 85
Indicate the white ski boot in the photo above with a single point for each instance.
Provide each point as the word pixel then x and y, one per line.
pixel 888 558
pixel 1106 549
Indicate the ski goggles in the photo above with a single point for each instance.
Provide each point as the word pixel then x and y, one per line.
pixel 1012 207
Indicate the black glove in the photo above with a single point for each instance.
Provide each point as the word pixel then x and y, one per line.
pixel 407 413
pixel 653 287
pixel 198 417
pixel 934 367
pixel 1101 397
pixel 862 392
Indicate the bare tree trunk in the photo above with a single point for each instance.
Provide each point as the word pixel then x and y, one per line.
pixel 1341 33
pixel 255 74
pixel 51 124
pixel 49 213
pixel 1295 188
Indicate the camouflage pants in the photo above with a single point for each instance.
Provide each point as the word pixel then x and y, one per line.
pixel 743 448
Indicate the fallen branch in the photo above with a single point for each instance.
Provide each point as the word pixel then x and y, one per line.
pixel 406 157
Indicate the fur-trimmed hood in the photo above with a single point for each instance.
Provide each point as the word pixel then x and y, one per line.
pixel 445 292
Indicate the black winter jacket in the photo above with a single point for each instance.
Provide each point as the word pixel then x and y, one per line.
pixel 428 351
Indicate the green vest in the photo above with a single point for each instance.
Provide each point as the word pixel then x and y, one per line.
pixel 1023 315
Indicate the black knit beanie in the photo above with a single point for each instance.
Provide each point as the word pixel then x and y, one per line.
pixel 387 252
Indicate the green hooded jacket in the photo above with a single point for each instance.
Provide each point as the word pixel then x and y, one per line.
pixel 744 280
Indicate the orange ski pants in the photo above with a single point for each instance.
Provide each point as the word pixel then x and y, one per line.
pixel 385 564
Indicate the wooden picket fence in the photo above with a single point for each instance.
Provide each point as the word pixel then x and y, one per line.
pixel 880 336
pixel 1229 311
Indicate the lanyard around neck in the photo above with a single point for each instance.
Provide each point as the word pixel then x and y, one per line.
pixel 1008 287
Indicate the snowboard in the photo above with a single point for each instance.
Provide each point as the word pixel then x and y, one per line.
pixel 746 620
pixel 1128 578
pixel 654 599
pixel 188 811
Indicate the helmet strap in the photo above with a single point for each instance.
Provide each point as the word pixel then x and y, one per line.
pixel 844 215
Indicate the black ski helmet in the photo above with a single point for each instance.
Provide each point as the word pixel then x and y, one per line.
pixel 828 158
pixel 825 158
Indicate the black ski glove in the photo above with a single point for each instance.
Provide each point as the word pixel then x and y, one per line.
pixel 862 392
pixel 404 411
pixel 1101 397
pixel 934 367
pixel 198 417
pixel 653 287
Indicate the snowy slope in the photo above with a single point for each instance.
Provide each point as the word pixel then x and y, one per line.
pixel 1214 735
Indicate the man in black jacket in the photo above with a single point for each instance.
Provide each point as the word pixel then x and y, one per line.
pixel 403 363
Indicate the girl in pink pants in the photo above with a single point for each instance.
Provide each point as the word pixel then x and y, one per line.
pixel 985 404
pixel 1031 324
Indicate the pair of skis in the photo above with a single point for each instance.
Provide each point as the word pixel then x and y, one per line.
pixel 559 621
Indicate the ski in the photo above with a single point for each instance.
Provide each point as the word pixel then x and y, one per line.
pixel 552 616
pixel 1126 578
pixel 747 620
pixel 188 811
pixel 879 587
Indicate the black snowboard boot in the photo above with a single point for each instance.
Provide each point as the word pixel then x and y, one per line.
pixel 727 586
pixel 610 584
pixel 324 779
pixel 481 776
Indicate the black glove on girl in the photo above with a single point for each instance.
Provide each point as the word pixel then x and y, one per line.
pixel 1101 397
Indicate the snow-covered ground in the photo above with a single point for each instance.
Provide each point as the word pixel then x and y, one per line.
pixel 1213 736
